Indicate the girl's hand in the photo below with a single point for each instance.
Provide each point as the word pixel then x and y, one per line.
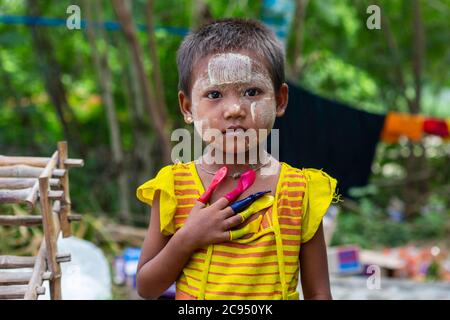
pixel 209 225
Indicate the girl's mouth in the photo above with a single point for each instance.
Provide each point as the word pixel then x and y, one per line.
pixel 234 130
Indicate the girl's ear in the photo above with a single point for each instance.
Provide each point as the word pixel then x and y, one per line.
pixel 282 100
pixel 185 106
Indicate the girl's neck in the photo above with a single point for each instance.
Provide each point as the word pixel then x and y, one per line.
pixel 236 163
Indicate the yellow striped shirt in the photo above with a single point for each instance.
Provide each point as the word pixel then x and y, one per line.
pixel 263 266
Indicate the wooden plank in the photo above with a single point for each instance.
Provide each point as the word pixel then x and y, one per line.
pixel 55 216
pixel 13 278
pixel 23 171
pixel 56 195
pixel 46 275
pixel 74 163
pixel 52 163
pixel 13 292
pixel 40 290
pixel 24 183
pixel 27 196
pixel 15 262
pixel 33 194
pixel 75 217
pixel 20 171
pixel 37 161
pixel 14 196
pixel 63 257
pixel 20 220
pixel 65 203
pixel 50 233
pixel 58 173
pixel 38 274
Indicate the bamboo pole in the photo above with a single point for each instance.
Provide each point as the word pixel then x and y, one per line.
pixel 63 257
pixel 32 196
pixel 23 183
pixel 13 292
pixel 38 161
pixel 65 201
pixel 20 220
pixel 50 238
pixel 14 196
pixel 24 171
pixel 37 274
pixel 14 278
pixel 30 220
pixel 15 262
pixel 27 196
pixel 55 195
pixel 50 229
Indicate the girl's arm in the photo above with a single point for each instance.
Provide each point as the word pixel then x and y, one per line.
pixel 163 257
pixel 314 268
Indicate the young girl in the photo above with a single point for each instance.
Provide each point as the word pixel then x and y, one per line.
pixel 232 84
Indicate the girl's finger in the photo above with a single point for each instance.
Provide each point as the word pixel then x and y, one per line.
pixel 227 212
pixel 199 205
pixel 220 204
pixel 232 222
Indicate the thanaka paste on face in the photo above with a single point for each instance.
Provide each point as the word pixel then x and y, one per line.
pixel 229 68
pixel 239 71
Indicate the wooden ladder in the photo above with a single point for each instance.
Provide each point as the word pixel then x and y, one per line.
pixel 31 180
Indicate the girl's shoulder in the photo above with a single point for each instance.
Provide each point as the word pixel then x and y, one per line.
pixel 318 191
pixel 312 175
pixel 164 181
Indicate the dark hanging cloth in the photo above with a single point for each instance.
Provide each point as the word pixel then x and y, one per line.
pixel 316 132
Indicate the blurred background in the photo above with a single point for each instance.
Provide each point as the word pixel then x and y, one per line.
pixel 102 76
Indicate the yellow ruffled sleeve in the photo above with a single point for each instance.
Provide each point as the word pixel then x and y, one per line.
pixel 163 181
pixel 320 191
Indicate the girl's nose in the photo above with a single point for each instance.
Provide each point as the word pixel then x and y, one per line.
pixel 234 110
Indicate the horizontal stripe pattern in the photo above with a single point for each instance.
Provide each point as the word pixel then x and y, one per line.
pixel 244 270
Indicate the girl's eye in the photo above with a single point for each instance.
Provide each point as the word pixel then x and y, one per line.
pixel 214 95
pixel 252 92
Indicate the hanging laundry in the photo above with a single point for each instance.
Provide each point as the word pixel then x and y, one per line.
pixel 437 127
pixel 316 132
pixel 448 126
pixel 402 124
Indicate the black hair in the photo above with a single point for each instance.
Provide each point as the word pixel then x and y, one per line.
pixel 228 35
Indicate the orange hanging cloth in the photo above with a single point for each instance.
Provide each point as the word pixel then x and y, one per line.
pixel 448 126
pixel 402 124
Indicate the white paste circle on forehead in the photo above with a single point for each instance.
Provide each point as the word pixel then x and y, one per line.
pixel 229 68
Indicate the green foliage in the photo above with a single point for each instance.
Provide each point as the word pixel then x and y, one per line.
pixel 371 226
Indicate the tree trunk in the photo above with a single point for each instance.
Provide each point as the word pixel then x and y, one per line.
pixel 156 71
pixel 142 151
pixel 104 77
pixel 201 14
pixel 53 84
pixel 142 159
pixel 416 193
pixel 158 117
pixel 297 29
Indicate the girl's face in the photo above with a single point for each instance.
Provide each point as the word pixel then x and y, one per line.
pixel 232 99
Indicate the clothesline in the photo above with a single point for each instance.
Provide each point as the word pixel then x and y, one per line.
pixel 59 22
pixel 413 126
